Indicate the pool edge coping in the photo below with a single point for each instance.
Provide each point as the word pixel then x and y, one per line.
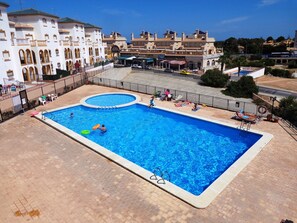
pixel 84 103
pixel 200 201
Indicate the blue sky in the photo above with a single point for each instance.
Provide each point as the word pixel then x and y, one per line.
pixel 221 18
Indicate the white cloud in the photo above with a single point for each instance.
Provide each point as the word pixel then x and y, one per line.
pixel 234 20
pixel 268 2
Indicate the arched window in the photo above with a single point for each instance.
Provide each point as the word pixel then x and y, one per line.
pixel 32 74
pixel 44 20
pixel 44 70
pixel 208 63
pixel 41 56
pixel 213 62
pixel 53 22
pixel 90 51
pixel 36 72
pixel 70 53
pixel 46 36
pixel 78 53
pixel 22 57
pixel 25 74
pixel 46 56
pixel 33 56
pixel 66 54
pixel 28 56
pixel 57 52
pixel 55 37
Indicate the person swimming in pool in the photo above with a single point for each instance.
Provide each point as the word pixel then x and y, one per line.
pixel 103 128
pixel 71 115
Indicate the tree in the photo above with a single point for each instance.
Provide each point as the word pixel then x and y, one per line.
pixel 244 88
pixel 239 62
pixel 231 45
pixel 223 60
pixel 214 78
pixel 269 38
pixel 280 39
pixel 287 109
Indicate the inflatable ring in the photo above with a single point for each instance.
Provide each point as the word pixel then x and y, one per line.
pixel 85 132
pixel 96 126
pixel 262 109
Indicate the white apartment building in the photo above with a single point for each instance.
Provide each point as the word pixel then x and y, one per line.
pixel 34 43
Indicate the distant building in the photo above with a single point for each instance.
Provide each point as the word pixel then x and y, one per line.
pixel 33 43
pixel 195 51
pixel 114 44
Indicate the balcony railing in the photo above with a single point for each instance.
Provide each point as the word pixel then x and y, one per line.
pixel 22 42
pixel 38 43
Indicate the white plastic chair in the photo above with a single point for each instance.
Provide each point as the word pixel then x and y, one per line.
pixel 42 101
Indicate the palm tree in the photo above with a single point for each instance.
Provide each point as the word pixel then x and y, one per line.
pixel 239 62
pixel 224 59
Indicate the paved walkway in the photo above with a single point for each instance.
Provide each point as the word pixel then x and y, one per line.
pixel 47 177
pixel 177 82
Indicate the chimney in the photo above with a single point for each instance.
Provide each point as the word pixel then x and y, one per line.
pixel 183 36
pixel 132 36
pixel 155 36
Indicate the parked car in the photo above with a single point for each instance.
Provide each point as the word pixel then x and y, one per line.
pixel 168 70
pixel 185 72
pixel 136 66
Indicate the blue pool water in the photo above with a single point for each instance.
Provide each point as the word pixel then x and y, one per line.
pixel 242 72
pixel 194 152
pixel 110 99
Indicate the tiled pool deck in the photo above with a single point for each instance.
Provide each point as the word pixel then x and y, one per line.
pixel 48 177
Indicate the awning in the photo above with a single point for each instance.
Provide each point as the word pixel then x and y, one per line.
pixel 177 62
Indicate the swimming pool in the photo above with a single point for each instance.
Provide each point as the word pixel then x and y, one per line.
pixel 108 100
pixel 194 153
pixel 242 72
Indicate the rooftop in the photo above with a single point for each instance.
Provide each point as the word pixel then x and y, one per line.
pixel 30 11
pixel 88 25
pixel 69 20
pixel 4 4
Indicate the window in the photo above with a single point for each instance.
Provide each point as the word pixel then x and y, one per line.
pixel 53 22
pixel 59 65
pixel 6 55
pixel 28 56
pixel 22 57
pixel 55 37
pixel 57 52
pixel 29 36
pixel 2 34
pixel 10 74
pixel 77 38
pixel 44 20
pixel 46 36
pixel 76 26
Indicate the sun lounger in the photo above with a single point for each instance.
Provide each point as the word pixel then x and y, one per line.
pixel 182 103
pixel 249 117
pixel 178 98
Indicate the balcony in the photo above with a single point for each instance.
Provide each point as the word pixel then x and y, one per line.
pixel 75 43
pixel 64 43
pixel 22 42
pixel 35 43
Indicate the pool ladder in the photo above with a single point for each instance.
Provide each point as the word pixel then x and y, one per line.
pixel 162 175
pixel 51 115
pixel 243 124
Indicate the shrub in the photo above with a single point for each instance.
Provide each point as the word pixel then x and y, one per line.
pixel 244 88
pixel 214 78
pixel 292 64
pixel 288 109
pixel 281 73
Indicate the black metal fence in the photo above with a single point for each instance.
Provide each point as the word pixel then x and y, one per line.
pixel 216 102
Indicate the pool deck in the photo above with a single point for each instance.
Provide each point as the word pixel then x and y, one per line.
pixel 48 177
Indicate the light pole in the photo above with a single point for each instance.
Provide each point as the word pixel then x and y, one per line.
pixel 273 100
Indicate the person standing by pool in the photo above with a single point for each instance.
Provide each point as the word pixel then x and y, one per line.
pixel 152 102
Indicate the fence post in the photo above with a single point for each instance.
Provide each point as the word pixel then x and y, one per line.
pixel 55 87
pixel 199 99
pixel 41 90
pixel 212 101
pixel 228 104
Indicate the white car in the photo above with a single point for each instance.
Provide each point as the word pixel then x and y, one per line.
pixel 136 66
